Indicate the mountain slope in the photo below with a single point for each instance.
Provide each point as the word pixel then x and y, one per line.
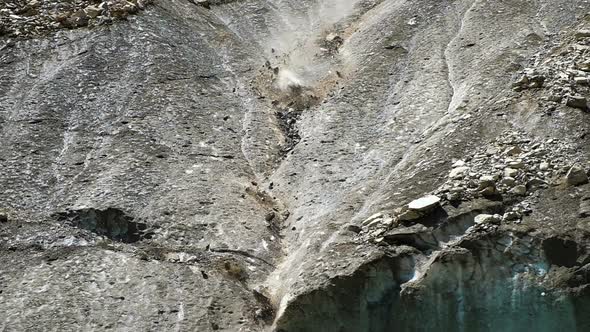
pixel 208 165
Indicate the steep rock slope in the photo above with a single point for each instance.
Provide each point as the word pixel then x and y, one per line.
pixel 208 165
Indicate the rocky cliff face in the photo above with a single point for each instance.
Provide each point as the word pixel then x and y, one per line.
pixel 316 165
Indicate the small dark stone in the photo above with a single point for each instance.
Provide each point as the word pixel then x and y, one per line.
pixel 354 228
pixel 270 216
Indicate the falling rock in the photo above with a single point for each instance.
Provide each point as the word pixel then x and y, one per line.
pixel 425 203
pixel 576 176
pixel 3 217
pixel 577 102
pixel 487 219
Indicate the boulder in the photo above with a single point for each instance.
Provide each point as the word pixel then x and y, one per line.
pixel 487 219
pixel 409 215
pixel 93 11
pixel 519 190
pixel 511 216
pixel 577 102
pixel 486 181
pixel 583 33
pixel 373 220
pixel 508 181
pixel 576 176
pixel 459 163
pixel 581 80
pixel 458 172
pixel 425 203
pixel 510 172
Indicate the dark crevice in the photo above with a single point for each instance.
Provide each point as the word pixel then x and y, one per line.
pixel 560 252
pixel 241 253
pixel 112 223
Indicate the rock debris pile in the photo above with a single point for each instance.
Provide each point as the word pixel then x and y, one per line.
pixel 513 165
pixel 31 18
pixel 508 171
pixel 565 73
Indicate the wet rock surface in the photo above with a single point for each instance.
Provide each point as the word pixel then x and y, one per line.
pixel 294 165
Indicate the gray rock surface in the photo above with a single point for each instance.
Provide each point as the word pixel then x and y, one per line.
pixel 219 166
